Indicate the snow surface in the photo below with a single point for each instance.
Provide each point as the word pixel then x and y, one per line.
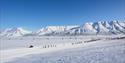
pixel 62 49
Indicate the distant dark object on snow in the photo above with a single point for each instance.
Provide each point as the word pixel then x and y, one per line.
pixel 31 46
pixel 91 40
pixel 116 38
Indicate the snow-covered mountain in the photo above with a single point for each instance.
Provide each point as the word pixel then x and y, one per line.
pixel 14 32
pixel 89 28
pixel 54 30
pixel 84 29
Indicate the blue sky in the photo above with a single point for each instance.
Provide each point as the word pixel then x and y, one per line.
pixel 34 14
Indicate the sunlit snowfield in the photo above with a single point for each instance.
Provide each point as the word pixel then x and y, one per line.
pixel 63 49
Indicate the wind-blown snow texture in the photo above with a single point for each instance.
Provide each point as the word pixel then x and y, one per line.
pixel 89 28
pixel 102 51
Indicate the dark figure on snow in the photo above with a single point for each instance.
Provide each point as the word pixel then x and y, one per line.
pixel 31 46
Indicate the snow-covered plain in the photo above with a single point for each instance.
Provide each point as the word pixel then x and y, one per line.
pixel 62 49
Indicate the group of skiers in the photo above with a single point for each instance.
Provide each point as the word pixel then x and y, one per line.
pixel 77 43
pixel 55 45
pixel 49 46
pixel 45 46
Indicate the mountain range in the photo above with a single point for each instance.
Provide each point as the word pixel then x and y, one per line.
pixel 88 28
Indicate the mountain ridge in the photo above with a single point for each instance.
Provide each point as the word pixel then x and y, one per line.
pixel 88 28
